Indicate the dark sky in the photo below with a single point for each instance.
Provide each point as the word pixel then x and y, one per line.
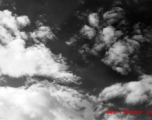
pixel 55 11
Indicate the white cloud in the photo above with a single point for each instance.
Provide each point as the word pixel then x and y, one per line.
pixel 43 33
pixel 10 26
pixel 17 60
pixel 106 39
pixel 108 35
pixel 93 19
pixel 134 92
pixel 112 91
pixel 118 56
pixel 113 16
pixel 88 32
pixel 43 102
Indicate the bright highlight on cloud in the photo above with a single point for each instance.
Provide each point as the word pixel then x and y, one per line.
pixel 122 55
pixel 108 35
pixel 43 33
pixel 133 92
pixel 113 16
pixel 17 60
pixel 88 32
pixel 93 20
pixel 10 26
pixel 43 102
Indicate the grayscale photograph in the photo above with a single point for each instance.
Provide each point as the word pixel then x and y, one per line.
pixel 75 59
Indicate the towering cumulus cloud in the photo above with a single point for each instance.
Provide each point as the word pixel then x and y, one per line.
pixel 43 101
pixel 17 60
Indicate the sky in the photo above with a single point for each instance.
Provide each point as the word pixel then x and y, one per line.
pixel 75 60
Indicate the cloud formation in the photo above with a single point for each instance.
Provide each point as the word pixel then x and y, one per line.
pixel 88 32
pixel 108 35
pixel 113 16
pixel 118 41
pixel 10 26
pixel 122 55
pixel 17 59
pixel 43 101
pixel 136 92
pixel 43 33
pixel 93 19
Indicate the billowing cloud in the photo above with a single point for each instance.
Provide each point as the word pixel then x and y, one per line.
pixel 113 16
pixel 88 32
pixel 105 39
pixel 43 33
pixel 136 92
pixel 121 48
pixel 93 19
pixel 10 26
pixel 122 55
pixel 108 35
pixel 43 102
pixel 17 59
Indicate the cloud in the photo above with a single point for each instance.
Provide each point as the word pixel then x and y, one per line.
pixel 122 55
pixel 134 93
pixel 10 26
pixel 112 44
pixel 17 59
pixel 88 32
pixel 118 117
pixel 93 19
pixel 43 102
pixel 113 16
pixel 119 35
pixel 43 33
pixel 132 96
pixel 105 39
pixel 108 35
